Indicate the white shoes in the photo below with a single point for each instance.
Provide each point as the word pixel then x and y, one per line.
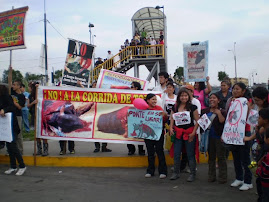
pixel 147 175
pixel 10 170
pixel 246 187
pixel 21 171
pixel 162 176
pixel 237 183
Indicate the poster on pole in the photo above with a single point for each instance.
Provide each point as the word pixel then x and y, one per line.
pixel 6 128
pixel 114 80
pixel 12 29
pixel 85 114
pixel 235 124
pixel 78 63
pixel 145 124
pixel 195 61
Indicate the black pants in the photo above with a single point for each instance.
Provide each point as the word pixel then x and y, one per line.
pixel 152 147
pixel 131 147
pixel 97 145
pixel 71 145
pixel 14 154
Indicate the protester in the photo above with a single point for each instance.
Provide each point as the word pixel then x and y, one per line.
pixel 263 172
pixel 215 148
pixel 163 78
pixel 7 106
pixel 201 92
pixel 169 99
pixel 25 110
pixel 184 133
pixel 71 147
pixel 135 86
pixel 241 153
pixel 155 145
pixel 224 93
pixel 31 105
pixel 19 102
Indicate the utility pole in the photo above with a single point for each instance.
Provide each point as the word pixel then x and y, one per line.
pixel 46 54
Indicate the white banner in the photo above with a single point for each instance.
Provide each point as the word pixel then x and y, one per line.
pixel 6 128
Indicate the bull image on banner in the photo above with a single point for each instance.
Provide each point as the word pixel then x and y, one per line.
pixel 97 115
pixel 12 29
pixel 114 80
pixel 196 61
pixel 78 63
pixel 145 124
pixel 235 124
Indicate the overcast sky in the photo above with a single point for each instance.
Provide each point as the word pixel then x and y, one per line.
pixel 221 22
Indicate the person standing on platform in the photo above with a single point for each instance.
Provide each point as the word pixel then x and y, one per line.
pixel 25 110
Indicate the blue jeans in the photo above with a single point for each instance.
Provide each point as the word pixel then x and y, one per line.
pixel 241 156
pixel 25 120
pixel 190 149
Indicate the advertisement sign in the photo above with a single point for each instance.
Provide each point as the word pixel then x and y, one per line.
pixel 12 29
pixel 195 61
pixel 78 63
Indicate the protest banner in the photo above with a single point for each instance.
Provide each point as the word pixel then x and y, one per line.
pixel 204 122
pixel 253 117
pixel 80 114
pixel 114 80
pixel 78 63
pixel 6 128
pixel 235 124
pixel 145 124
pixel 195 61
pixel 12 29
pixel 182 118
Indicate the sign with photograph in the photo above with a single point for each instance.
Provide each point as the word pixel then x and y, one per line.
pixel 182 118
pixel 204 122
pixel 253 117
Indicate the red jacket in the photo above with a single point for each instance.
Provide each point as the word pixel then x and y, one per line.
pixel 263 171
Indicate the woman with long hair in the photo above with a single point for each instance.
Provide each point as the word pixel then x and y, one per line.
pixel 185 131
pixel 7 106
pixel 201 92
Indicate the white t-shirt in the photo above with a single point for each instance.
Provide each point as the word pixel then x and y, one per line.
pixel 159 88
pixel 168 103
pixel 197 103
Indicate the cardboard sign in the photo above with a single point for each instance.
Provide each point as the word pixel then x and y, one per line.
pixel 182 118
pixel 6 128
pixel 145 124
pixel 253 117
pixel 204 122
pixel 235 124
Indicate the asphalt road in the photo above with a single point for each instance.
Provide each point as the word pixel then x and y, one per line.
pixel 114 185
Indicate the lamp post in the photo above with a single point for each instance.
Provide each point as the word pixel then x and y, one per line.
pixel 234 62
pixel 159 7
pixel 90 30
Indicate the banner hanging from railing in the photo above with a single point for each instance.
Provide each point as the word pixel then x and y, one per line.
pixel 78 63
pixel 114 80
pixel 195 61
pixel 80 114
pixel 12 29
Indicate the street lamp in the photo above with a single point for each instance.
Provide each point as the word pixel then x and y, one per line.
pixel 159 7
pixel 234 62
pixel 90 30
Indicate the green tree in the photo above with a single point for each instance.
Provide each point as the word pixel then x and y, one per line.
pixel 222 76
pixel 16 75
pixel 33 77
pixel 58 75
pixel 178 74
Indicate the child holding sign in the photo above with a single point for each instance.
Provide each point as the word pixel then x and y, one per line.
pixel 182 124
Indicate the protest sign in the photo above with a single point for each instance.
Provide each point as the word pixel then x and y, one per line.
pixel 204 122
pixel 235 124
pixel 81 114
pixel 145 124
pixel 114 80
pixel 195 61
pixel 78 63
pixel 182 118
pixel 253 117
pixel 6 128
pixel 12 29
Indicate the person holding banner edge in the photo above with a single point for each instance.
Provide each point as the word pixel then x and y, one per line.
pixel 7 105
pixel 201 92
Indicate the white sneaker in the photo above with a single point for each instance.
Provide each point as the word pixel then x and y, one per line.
pixel 147 175
pixel 21 171
pixel 10 170
pixel 237 183
pixel 246 187
pixel 162 176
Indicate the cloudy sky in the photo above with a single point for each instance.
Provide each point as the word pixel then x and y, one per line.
pixel 221 22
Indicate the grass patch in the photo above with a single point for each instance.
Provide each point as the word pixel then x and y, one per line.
pixel 28 136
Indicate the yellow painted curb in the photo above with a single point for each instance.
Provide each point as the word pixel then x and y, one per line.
pixel 133 161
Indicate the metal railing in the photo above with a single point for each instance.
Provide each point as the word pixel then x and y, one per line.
pixel 130 52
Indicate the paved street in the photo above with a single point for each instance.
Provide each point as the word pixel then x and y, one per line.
pixel 115 185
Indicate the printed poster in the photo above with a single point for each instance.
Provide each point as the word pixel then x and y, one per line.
pixel 114 80
pixel 145 124
pixel 12 29
pixel 253 117
pixel 235 124
pixel 78 63
pixel 195 61
pixel 182 118
pixel 81 114
pixel 6 128
pixel 204 122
